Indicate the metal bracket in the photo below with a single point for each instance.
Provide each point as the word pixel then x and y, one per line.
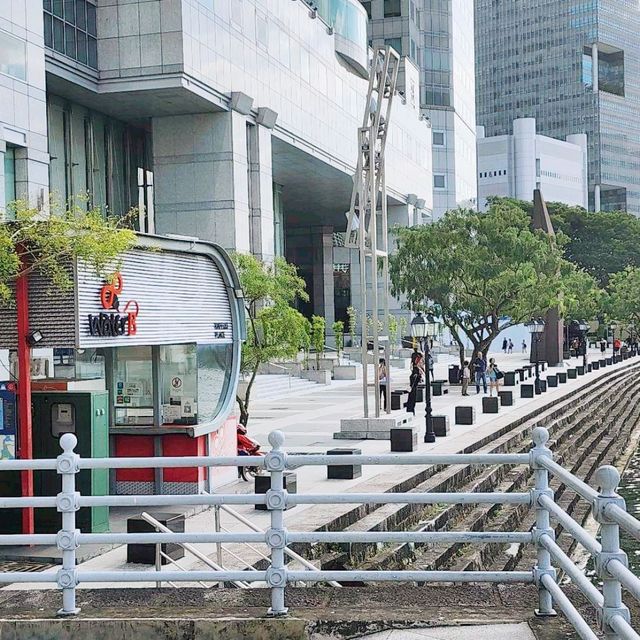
pixel 537 533
pixel 276 538
pixel 600 505
pixel 603 559
pixel 68 502
pixel 67 540
pixel 538 573
pixel 276 499
pixel 536 494
pixel 67 578
pixel 535 454
pixel 275 461
pixel 276 577
pixel 67 463
pixel 605 614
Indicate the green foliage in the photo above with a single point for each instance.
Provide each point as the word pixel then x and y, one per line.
pixel 49 243
pixel 623 301
pixel 481 272
pixel 403 327
pixel 338 331
pixel 275 329
pixel 318 326
pixel 351 313
pixel 393 328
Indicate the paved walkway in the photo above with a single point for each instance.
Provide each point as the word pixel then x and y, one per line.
pixel 482 632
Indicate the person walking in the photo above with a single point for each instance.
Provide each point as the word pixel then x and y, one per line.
pixel 524 347
pixel 495 375
pixel 414 380
pixel 510 347
pixel 505 344
pixel 466 377
pixel 603 346
pixel 382 378
pixel 480 372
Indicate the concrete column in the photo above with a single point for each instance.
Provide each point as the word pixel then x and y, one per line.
pixel 524 141
pixel 261 192
pixel 323 295
pixel 32 176
pixel 580 139
pixel 596 198
pixel 3 148
pixel 594 67
pixel 201 177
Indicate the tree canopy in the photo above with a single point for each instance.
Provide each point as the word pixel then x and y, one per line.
pixel 276 330
pixel 484 272
pixel 623 300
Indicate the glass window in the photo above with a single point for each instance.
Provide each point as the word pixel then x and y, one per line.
pixel 133 386
pixel 394 43
pixel 70 28
pixel 438 138
pixel 79 364
pixel 9 175
pixel 439 181
pixel 13 56
pixel 214 377
pixel 392 9
pixel 179 384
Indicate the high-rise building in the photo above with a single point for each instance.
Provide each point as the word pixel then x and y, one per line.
pixel 574 66
pixel 437 37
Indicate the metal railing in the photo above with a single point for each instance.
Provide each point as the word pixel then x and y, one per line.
pixel 607 507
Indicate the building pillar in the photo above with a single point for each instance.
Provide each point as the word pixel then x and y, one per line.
pixel 32 177
pixel 261 192
pixel 201 177
pixel 524 141
pixel 323 294
pixel 594 67
pixel 596 198
pixel 3 148
pixel 580 139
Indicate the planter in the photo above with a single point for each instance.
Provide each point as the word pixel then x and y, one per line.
pixel 345 372
pixel 321 377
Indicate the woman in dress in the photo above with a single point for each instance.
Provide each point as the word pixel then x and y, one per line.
pixel 414 380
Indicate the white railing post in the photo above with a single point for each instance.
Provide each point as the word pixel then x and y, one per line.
pixel 67 538
pixel 608 478
pixel 276 537
pixel 217 524
pixel 543 524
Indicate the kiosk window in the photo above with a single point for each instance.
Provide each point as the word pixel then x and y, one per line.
pixel 178 382
pixel 214 376
pixel 133 386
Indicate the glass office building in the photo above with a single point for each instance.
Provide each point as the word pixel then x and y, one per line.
pixel 574 65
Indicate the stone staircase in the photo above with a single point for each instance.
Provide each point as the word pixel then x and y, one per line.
pixel 587 429
pixel 273 386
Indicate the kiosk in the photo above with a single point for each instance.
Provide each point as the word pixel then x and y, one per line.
pixel 141 362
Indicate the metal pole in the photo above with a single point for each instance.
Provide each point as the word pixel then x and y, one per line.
pixel 158 560
pixel 363 292
pixel 537 383
pixel 429 435
pixel 67 504
pixel 608 478
pixel 543 524
pixel 217 527
pixel 373 235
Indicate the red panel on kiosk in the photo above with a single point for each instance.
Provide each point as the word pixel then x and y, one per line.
pixel 183 445
pixel 134 447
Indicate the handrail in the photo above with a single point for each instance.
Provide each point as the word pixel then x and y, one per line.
pixel 608 509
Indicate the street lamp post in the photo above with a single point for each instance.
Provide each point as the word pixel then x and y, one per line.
pixel 613 343
pixel 536 329
pixel 584 327
pixel 424 328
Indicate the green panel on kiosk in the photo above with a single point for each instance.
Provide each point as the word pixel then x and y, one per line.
pixel 84 413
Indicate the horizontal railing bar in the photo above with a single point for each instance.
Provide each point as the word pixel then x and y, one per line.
pixel 623 628
pixel 8 577
pixel 624 519
pixel 44 464
pixel 409 536
pixel 393 459
pixel 409 498
pixel 22 539
pixel 580 487
pixel 565 562
pixel 170 462
pixel 174 576
pixel 34 501
pixel 629 581
pixel 178 538
pixel 572 614
pixel 410 576
pixel 570 525
pixel 168 500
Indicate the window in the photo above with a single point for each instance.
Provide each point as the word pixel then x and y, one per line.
pixel 392 9
pixel 70 29
pixel 394 43
pixel 133 385
pixel 13 56
pixel 438 138
pixel 367 5
pixel 439 181
pixel 9 175
pixel 214 377
pixel 178 384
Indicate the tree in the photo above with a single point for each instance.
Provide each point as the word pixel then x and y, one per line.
pixel 338 331
pixel 276 330
pixel 352 315
pixel 49 243
pixel 480 272
pixel 623 301
pixel 318 326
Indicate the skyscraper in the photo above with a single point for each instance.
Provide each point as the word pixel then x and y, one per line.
pixel 575 67
pixel 437 37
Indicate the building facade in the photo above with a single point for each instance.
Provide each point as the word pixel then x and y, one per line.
pixel 514 165
pixel 574 66
pixel 234 121
pixel 437 37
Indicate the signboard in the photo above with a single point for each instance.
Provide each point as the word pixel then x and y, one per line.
pixel 8 422
pixel 154 298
